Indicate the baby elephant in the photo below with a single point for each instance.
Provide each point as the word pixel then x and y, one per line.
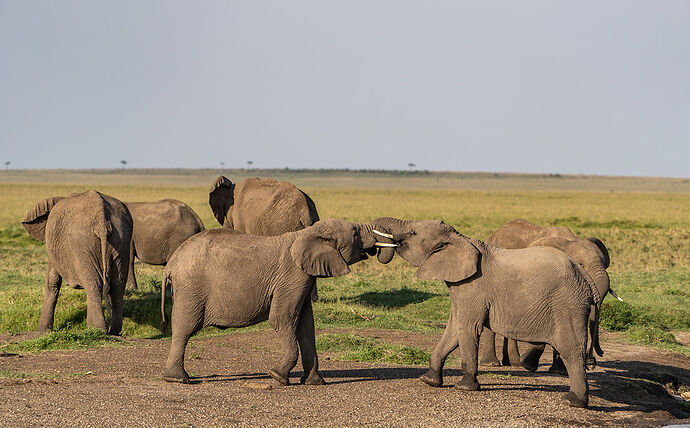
pixel 87 238
pixel 159 228
pixel 536 295
pixel 224 278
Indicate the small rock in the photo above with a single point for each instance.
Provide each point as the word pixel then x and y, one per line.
pixel 256 385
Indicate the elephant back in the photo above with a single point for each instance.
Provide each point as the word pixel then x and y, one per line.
pixel 262 206
pixel 521 233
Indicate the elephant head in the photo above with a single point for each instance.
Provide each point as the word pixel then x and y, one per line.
pixel 327 248
pixel 221 198
pixel 36 218
pixel 435 248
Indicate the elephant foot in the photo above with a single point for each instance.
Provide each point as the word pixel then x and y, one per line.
pixel 531 361
pixel 530 365
pixel 467 383
pixel 176 375
pixel 44 329
pixel 278 377
pixel 489 361
pixel 558 368
pixel 512 362
pixel 572 400
pixel 432 378
pixel 313 379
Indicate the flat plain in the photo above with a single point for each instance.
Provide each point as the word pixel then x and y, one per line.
pixel 376 326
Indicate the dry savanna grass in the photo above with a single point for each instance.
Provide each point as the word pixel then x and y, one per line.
pixel 643 221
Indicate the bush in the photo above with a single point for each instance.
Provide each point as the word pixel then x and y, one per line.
pixel 645 334
pixel 618 316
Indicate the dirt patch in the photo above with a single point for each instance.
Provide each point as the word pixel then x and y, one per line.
pixel 629 387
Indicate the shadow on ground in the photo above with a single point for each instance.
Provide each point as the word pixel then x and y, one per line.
pixel 627 385
pixel 393 298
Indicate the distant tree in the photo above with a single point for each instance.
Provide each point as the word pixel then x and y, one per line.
pixel 411 165
pixel 7 163
pixel 222 165
pixel 249 164
pixel 124 163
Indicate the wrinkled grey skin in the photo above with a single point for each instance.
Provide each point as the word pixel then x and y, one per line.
pixel 227 279
pixel 590 253
pixel 262 206
pixel 88 237
pixel 536 295
pixel 159 228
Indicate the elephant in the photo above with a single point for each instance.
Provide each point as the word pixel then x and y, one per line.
pixel 224 278
pixel 591 253
pixel 88 237
pixel 262 206
pixel 536 295
pixel 159 228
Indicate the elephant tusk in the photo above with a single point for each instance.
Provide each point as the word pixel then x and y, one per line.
pixel 385 235
pixel 614 295
pixel 384 244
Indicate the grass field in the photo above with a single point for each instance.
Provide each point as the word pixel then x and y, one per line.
pixel 645 222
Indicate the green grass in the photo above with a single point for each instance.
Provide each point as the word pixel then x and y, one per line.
pixel 64 339
pixel 648 235
pixel 352 347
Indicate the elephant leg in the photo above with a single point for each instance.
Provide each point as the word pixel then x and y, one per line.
pixel 443 348
pixel 186 319
pixel 131 278
pixel 487 348
pixel 50 296
pixel 557 365
pixel 530 359
pixel 283 317
pixel 117 292
pixel 174 366
pixel 288 339
pixel 314 293
pixel 94 307
pixel 468 340
pixel 307 344
pixel 575 365
pixel 511 354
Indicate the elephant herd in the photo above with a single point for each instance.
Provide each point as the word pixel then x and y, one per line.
pixel 533 284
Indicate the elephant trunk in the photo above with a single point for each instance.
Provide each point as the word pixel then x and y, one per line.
pixel 601 286
pixel 387 228
pixel 164 283
pixel 601 280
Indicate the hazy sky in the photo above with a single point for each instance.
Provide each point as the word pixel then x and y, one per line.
pixel 595 87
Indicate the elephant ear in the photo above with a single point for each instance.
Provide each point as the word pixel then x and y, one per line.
pixel 36 218
pixel 552 241
pixel 221 197
pixel 451 261
pixel 318 256
pixel 607 260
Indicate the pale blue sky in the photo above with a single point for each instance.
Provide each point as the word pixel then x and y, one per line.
pixel 594 87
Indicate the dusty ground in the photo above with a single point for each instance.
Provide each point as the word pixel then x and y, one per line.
pixel 122 385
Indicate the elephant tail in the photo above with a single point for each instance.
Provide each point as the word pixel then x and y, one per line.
pixel 164 284
pixel 103 232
